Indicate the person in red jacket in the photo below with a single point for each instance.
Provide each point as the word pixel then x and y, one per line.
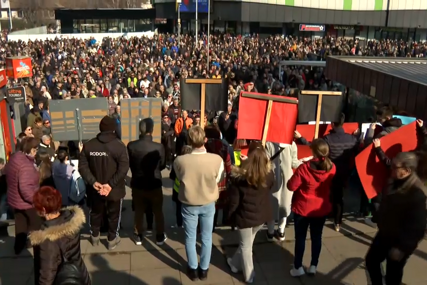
pixel 311 204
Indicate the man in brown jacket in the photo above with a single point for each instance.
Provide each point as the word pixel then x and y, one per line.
pixel 199 173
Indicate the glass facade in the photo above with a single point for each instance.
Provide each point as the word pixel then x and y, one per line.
pixel 111 25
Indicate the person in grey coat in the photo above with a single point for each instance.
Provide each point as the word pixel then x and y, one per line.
pixel 282 197
pixel 62 172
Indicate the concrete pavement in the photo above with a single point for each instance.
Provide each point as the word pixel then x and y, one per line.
pixel 341 260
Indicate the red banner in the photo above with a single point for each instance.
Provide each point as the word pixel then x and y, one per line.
pixel 373 173
pixel 3 78
pixel 252 113
pixel 307 131
pixel 19 67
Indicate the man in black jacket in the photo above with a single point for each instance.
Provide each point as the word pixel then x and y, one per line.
pixel 343 148
pixel 147 160
pixel 401 221
pixel 104 164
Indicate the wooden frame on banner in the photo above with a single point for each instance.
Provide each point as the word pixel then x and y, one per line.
pixel 269 108
pixel 319 95
pixel 203 83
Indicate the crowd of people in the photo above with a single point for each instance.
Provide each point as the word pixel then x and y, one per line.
pixel 250 183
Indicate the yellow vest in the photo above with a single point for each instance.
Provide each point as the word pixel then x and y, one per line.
pixel 176 185
pixel 237 154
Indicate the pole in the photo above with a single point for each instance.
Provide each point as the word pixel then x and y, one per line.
pixel 179 22
pixel 209 29
pixel 197 21
pixel 10 19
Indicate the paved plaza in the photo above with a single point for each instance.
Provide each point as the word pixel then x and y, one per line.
pixel 341 261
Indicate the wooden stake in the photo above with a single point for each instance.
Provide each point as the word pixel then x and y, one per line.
pixel 203 82
pixel 267 122
pixel 320 94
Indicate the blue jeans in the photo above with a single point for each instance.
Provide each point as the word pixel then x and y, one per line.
pixel 191 215
pixel 301 225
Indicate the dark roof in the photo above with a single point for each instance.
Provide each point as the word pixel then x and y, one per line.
pixel 399 82
pixel 410 69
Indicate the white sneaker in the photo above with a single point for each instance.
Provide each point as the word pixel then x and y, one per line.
pixel 251 280
pixel 232 267
pixel 312 270
pixel 297 272
pixel 337 227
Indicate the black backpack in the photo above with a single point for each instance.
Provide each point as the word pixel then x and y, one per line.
pixel 68 273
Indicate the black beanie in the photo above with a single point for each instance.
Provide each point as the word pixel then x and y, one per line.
pixel 107 124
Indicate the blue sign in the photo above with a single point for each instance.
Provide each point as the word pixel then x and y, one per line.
pixel 189 6
pixel 405 120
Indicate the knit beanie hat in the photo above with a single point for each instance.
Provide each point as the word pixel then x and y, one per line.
pixel 107 124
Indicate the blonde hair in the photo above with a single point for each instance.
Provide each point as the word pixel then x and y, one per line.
pixel 196 136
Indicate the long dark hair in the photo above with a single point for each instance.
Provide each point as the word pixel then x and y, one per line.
pixel 45 166
pixel 256 167
pixel 320 150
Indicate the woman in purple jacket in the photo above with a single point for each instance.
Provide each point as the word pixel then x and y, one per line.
pixel 22 179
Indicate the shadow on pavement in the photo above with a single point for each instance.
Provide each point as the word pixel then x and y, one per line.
pixel 107 275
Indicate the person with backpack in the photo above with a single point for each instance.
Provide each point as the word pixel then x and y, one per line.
pixel 68 180
pixel 57 253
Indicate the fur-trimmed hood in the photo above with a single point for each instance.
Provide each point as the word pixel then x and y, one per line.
pixel 239 173
pixel 69 223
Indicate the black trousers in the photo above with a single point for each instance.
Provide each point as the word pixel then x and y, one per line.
pixel 337 199
pixel 100 206
pixel 26 221
pixel 377 253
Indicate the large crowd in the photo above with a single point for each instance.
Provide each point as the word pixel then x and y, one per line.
pixel 250 183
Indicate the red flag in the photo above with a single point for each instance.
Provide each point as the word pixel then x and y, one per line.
pixel 373 173
pixel 252 113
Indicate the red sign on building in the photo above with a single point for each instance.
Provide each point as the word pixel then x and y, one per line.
pixel 3 78
pixel 19 67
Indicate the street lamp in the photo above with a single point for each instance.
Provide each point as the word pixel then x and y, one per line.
pixel 209 29
pixel 178 2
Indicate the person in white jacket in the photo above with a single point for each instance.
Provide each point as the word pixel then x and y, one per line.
pixel 282 164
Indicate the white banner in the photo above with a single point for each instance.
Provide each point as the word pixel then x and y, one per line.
pixel 97 36
pixel 5 4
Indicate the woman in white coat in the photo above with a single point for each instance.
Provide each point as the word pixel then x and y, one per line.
pixel 283 163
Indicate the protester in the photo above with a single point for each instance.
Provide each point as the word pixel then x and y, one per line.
pixel 198 192
pixel 22 180
pixel 343 148
pixel 44 165
pixel 46 148
pixel 182 125
pixel 215 145
pixel 62 173
pixel 104 164
pixel 311 204
pixel 401 220
pixel 178 205
pixel 286 160
pixel 58 241
pixel 249 206
pixel 147 160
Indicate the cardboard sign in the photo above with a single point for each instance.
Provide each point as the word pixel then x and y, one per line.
pixel 405 119
pixel 373 173
pixel 15 95
pixel 252 117
pixel 19 67
pixel 307 131
pixel 136 109
pixel 3 78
